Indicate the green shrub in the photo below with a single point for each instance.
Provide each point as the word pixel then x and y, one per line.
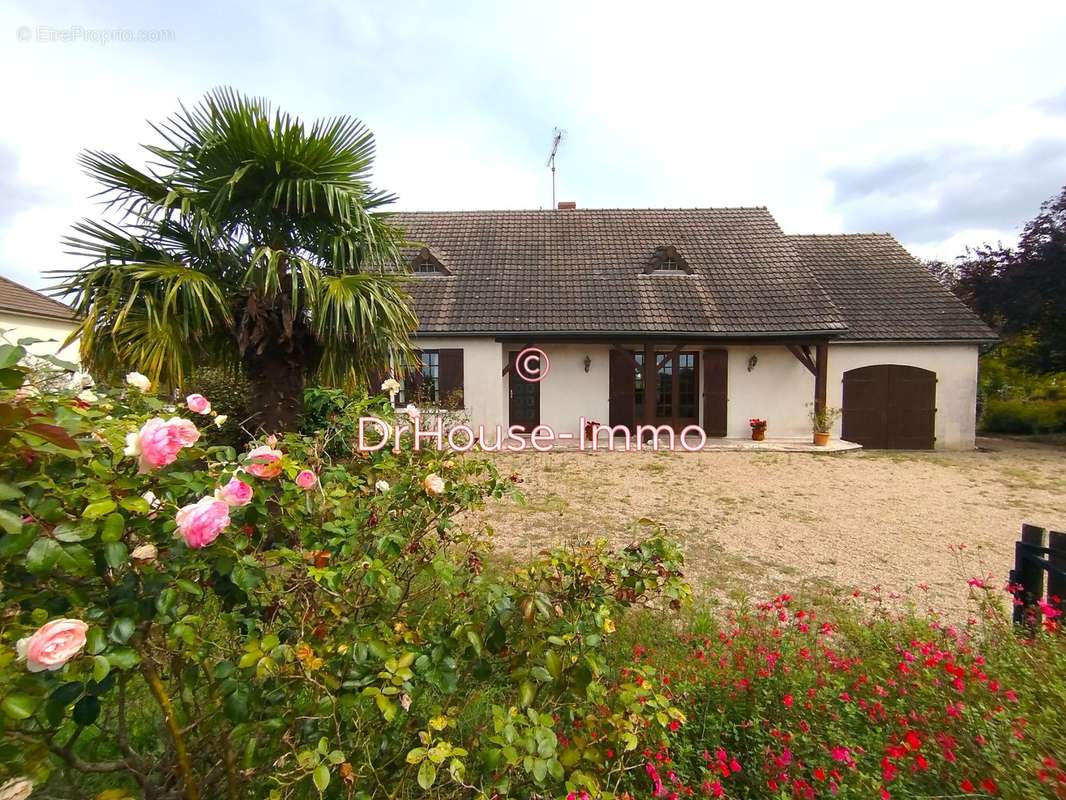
pixel 327 631
pixel 228 391
pixel 1024 416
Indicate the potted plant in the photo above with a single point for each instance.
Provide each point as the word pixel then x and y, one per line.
pixel 822 423
pixel 758 429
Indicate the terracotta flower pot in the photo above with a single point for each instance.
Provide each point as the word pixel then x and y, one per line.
pixel 758 434
pixel 821 439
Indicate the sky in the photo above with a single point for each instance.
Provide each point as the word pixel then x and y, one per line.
pixel 942 123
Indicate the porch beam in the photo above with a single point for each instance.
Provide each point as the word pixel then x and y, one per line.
pixel 507 366
pixel 803 355
pixel 628 354
pixel 670 357
pixel 821 376
pixel 651 383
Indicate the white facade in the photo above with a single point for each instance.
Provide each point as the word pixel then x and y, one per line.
pixel 53 331
pixel 777 388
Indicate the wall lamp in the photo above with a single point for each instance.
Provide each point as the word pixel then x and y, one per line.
pixel 752 362
pixel 588 362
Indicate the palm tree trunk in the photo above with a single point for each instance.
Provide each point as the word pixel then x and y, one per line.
pixel 277 385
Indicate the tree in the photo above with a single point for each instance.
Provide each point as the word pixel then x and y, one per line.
pixel 250 241
pixel 1020 291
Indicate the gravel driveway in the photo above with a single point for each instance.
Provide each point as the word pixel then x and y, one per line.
pixel 769 522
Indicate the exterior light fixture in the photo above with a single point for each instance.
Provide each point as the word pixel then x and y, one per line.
pixel 752 362
pixel 588 362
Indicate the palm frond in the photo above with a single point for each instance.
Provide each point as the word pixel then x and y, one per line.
pixel 247 225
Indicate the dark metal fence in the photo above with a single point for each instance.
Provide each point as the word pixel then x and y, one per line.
pixel 1039 551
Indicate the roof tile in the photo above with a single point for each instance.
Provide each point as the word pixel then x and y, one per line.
pixel 19 299
pixel 583 271
pixel 883 292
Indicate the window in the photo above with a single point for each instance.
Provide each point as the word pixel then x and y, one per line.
pixel 428 263
pixel 686 385
pixel 430 383
pixel 437 381
pixel 422 383
pixel 638 385
pixel 664 400
pixel 667 261
pixel 680 400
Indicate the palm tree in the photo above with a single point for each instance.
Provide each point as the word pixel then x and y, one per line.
pixel 250 241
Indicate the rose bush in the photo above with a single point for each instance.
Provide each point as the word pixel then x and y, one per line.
pixel 180 620
pixel 204 623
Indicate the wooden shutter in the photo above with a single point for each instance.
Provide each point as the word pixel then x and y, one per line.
pixel 374 378
pixel 412 380
pixel 622 388
pixel 450 377
pixel 715 392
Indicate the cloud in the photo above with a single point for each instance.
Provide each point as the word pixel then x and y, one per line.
pixel 1054 105
pixel 931 197
pixel 674 104
pixel 15 193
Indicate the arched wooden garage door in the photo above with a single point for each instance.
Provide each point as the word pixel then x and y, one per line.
pixel 889 406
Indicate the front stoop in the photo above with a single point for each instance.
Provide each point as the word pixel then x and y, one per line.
pixel 769 445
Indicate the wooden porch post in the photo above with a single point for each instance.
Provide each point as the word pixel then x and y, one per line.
pixel 821 375
pixel 651 383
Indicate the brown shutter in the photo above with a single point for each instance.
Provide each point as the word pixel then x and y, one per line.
pixel 412 382
pixel 450 377
pixel 622 388
pixel 374 379
pixel 715 391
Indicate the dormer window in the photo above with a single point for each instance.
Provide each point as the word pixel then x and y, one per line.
pixel 428 263
pixel 667 261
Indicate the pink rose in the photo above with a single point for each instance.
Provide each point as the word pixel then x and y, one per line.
pixel 433 483
pixel 198 403
pixel 158 442
pixel 235 493
pixel 53 645
pixel 201 522
pixel 306 479
pixel 266 462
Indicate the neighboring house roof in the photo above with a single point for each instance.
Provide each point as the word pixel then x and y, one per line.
pixel 583 272
pixel 18 299
pixel 884 293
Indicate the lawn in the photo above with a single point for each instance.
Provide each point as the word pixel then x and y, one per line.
pixel 765 522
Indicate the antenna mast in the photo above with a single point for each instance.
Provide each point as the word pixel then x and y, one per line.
pixel 557 139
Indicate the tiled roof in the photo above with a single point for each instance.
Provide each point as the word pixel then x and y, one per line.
pixel 19 299
pixel 582 271
pixel 883 292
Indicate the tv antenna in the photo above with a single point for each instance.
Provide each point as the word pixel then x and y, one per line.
pixel 557 139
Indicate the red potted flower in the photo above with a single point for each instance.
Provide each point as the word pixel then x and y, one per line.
pixel 758 429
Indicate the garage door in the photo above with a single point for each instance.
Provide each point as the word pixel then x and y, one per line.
pixel 891 407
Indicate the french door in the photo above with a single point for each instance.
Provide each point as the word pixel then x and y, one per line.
pixel 677 395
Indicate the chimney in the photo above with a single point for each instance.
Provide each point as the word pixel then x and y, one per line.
pixel 567 205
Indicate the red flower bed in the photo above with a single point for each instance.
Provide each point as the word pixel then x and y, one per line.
pixel 791 700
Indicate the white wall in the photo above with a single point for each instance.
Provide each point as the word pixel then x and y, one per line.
pixel 568 392
pixel 955 366
pixel 778 389
pixel 18 327
pixel 483 362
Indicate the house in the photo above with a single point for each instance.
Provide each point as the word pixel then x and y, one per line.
pixel 741 321
pixel 25 314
